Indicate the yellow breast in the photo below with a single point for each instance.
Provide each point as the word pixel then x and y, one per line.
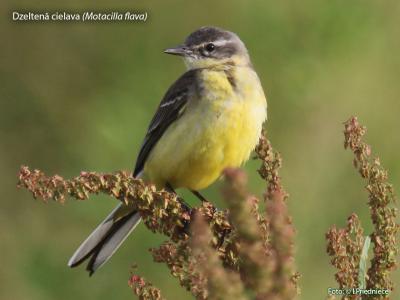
pixel 217 130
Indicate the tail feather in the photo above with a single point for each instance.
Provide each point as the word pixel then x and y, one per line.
pixel 88 245
pixel 113 241
pixel 104 240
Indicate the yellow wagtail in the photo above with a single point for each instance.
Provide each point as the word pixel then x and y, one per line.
pixel 209 119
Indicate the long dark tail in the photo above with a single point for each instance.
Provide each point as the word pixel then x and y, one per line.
pixel 104 240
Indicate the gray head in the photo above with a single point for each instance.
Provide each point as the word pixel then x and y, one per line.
pixel 209 46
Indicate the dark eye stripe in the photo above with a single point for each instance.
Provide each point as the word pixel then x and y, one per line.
pixel 227 50
pixel 223 51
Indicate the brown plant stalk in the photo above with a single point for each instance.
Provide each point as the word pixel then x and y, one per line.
pixel 345 245
pixel 280 227
pixel 230 255
pixel 219 283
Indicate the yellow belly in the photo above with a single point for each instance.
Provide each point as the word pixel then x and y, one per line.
pixel 212 135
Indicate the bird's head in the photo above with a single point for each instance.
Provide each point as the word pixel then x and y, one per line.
pixel 211 46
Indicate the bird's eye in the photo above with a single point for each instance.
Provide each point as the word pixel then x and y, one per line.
pixel 210 47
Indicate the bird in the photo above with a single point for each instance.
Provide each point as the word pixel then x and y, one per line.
pixel 210 119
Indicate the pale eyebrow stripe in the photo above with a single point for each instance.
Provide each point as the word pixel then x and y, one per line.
pixel 216 43
pixel 220 42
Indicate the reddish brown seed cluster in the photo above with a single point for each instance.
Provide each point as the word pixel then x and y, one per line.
pixel 242 252
pixel 215 254
pixel 345 245
pixel 143 289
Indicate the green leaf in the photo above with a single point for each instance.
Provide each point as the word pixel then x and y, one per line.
pixel 362 272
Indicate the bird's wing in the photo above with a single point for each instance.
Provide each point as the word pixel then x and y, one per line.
pixel 171 107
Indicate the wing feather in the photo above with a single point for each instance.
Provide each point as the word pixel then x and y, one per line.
pixel 171 107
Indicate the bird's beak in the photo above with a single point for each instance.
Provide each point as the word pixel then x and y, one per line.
pixel 179 50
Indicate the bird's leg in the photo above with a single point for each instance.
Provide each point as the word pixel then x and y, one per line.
pixel 200 196
pixel 203 199
pixel 186 206
pixel 226 231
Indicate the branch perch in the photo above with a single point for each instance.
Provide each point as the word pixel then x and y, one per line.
pixel 251 250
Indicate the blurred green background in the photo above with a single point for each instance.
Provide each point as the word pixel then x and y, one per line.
pixel 79 97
